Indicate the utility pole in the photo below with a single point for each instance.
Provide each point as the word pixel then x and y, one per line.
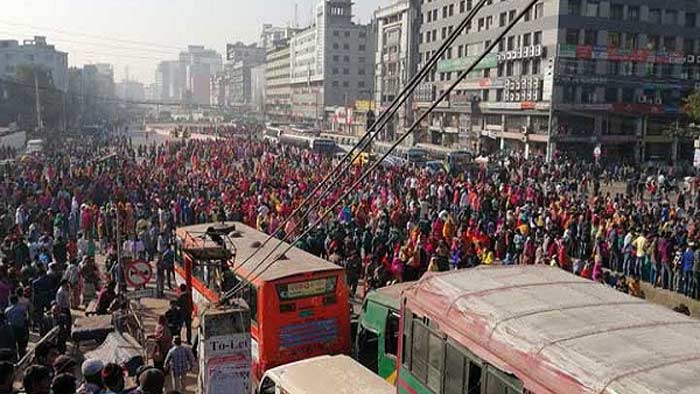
pixel 39 126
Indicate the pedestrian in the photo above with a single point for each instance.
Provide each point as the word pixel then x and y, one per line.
pixel 105 298
pixel 178 362
pixel 17 316
pixel 92 377
pixel 37 380
pixel 184 302
pixel 8 342
pixel 113 379
pixel 7 377
pixel 63 299
pixel 174 317
pixel 151 381
pixel 162 339
pixel 64 384
pixel 72 275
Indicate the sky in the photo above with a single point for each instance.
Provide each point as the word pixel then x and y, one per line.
pixel 139 33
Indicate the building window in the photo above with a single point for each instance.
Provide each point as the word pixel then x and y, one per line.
pixel 572 36
pixel 690 19
pixel 688 45
pixel 592 8
pixel 346 46
pixel 590 37
pixel 361 59
pixel 335 84
pixel 614 39
pixel 444 12
pixel 537 38
pixel 347 34
pixel 671 17
pixel 539 10
pixel 616 12
pixel 361 84
pixel 461 6
pixel 346 84
pixel 536 66
pixel 655 15
pixel 502 19
pixel 335 45
pixel 670 43
pixel 336 58
pixel 346 71
pixel 610 95
pixel 346 58
pixel 361 71
pixel 574 7
pixel 336 33
pixel 526 67
pixel 633 13
pixel 334 71
pixel 510 43
pixel 361 47
pixel 451 10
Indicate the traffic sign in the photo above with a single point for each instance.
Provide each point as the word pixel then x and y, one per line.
pixel 138 273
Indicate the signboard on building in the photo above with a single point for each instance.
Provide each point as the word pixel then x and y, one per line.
pixel 364 105
pixel 462 63
pixel 620 54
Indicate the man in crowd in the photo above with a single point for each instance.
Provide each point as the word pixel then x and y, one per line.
pixel 178 362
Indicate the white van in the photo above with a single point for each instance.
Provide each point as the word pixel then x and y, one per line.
pixel 325 374
pixel 35 146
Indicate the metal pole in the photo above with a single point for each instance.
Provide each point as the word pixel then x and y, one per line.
pixel 38 101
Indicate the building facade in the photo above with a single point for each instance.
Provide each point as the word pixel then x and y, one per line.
pixel 169 81
pixel 574 76
pixel 34 52
pixel 330 63
pixel 237 78
pixel 198 65
pixel 396 60
pixel 278 105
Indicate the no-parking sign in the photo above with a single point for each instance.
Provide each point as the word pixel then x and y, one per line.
pixel 138 273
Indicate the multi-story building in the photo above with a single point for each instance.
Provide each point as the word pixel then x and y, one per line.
pixel 278 105
pixel 237 79
pixel 169 81
pixel 199 65
pixel 130 90
pixel 35 52
pixel 330 62
pixel 579 76
pixel 273 36
pixel 257 87
pixel 396 60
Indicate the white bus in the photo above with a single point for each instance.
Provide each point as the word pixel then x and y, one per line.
pixel 35 147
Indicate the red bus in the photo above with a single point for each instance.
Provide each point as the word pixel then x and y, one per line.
pixel 306 309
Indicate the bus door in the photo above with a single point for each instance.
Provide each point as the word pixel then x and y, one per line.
pixel 377 338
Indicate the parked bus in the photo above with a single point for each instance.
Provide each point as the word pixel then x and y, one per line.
pixel 272 133
pixel 322 375
pixel 413 155
pixel 306 308
pixel 459 161
pixel 376 343
pixel 539 329
pixel 320 145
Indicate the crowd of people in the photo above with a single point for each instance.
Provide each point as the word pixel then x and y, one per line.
pixel 59 210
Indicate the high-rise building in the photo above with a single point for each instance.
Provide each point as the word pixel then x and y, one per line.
pixel 578 76
pixel 396 60
pixel 199 65
pixel 331 62
pixel 35 52
pixel 272 36
pixel 237 78
pixel 278 105
pixel 169 81
pixel 130 90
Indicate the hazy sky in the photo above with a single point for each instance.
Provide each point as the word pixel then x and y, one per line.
pixel 139 33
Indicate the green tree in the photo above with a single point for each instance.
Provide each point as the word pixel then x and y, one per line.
pixel 691 106
pixel 18 98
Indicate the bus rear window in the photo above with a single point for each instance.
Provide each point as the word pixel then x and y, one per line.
pixel 310 288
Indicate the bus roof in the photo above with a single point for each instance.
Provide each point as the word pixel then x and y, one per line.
pixel 247 241
pixel 389 296
pixel 559 333
pixel 338 374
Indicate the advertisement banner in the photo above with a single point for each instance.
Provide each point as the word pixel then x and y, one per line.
pixel 462 63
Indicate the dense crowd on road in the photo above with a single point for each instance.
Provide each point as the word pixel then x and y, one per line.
pixel 59 210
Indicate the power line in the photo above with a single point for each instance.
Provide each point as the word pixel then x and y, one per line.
pixel 413 127
pixel 373 132
pixel 362 144
pixel 101 44
pixel 75 33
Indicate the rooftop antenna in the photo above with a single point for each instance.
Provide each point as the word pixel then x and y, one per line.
pixel 295 23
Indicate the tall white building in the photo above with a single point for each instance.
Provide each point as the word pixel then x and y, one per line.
pixel 35 52
pixel 331 62
pixel 396 59
pixel 169 81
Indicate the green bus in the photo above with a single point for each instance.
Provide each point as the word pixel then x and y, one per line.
pixel 376 342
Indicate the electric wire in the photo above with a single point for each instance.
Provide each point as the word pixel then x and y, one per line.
pixel 434 105
pixel 362 144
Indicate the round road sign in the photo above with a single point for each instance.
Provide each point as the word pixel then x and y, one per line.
pixel 138 273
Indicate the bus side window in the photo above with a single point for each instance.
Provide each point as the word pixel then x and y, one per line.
pixel 500 383
pixel 391 334
pixel 407 342
pixel 462 374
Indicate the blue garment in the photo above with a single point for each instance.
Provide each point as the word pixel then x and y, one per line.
pixel 688 258
pixel 16 315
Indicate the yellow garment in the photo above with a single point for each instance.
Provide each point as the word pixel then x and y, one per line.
pixel 448 229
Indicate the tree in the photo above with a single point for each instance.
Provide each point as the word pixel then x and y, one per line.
pixel 18 98
pixel 691 106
